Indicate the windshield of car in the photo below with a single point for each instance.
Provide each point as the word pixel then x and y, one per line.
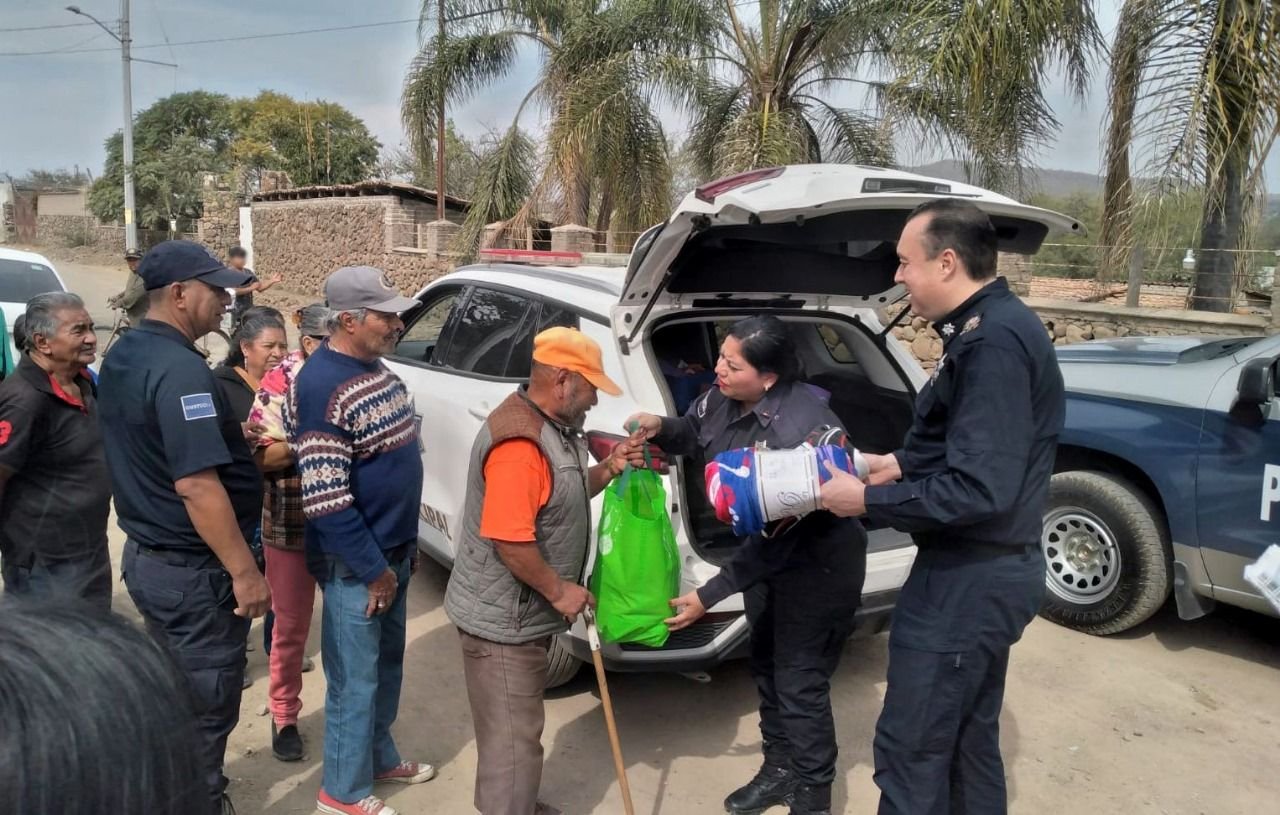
pixel 20 280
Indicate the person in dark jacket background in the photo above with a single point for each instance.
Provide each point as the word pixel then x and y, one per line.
pixel 257 346
pixel 972 480
pixel 801 587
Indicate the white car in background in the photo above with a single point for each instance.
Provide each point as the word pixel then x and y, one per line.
pixel 23 275
pixel 813 244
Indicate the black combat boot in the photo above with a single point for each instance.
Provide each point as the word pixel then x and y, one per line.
pixel 772 786
pixel 811 800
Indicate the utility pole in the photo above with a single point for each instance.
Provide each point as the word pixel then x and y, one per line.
pixel 440 209
pixel 130 215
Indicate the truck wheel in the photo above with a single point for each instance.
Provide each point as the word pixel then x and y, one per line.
pixel 562 665
pixel 1107 556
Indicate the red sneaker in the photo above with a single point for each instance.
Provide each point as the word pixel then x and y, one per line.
pixel 408 772
pixel 372 805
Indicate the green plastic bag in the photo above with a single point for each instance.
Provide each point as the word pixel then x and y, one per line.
pixel 637 569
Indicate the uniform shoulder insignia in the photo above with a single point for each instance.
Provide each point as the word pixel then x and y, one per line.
pixel 702 405
pixel 971 323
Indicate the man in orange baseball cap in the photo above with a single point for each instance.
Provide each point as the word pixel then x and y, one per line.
pixel 507 608
pixel 569 349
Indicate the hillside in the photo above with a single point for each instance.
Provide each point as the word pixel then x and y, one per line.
pixel 1055 183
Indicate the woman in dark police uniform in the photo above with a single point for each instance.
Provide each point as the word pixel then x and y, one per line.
pixel 801 584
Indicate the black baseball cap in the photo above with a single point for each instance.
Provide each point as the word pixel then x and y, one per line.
pixel 133 254
pixel 177 261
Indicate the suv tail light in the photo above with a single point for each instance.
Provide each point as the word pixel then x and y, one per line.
pixel 707 192
pixel 602 444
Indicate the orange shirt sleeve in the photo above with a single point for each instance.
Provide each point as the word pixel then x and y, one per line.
pixel 517 484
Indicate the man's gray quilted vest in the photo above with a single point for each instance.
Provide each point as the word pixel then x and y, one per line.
pixel 484 598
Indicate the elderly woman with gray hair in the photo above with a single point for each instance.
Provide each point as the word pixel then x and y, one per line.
pixel 293 589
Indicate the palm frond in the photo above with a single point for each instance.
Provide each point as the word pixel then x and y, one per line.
pixel 851 137
pixel 506 177
pixel 451 70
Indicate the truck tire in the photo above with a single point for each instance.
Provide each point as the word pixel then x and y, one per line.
pixel 562 665
pixel 1107 556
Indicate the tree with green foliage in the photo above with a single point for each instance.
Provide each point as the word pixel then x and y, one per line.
pixel 314 142
pixel 175 142
pixel 462 165
pixel 183 138
pixel 59 179
pixel 1195 106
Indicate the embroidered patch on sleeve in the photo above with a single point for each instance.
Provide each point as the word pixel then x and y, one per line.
pixel 6 429
pixel 198 406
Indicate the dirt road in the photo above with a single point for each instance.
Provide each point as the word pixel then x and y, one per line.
pixel 1174 717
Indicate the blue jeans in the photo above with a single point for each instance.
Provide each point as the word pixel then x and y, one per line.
pixel 363 666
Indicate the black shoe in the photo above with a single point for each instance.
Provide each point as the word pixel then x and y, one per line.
pixel 772 786
pixel 811 800
pixel 286 744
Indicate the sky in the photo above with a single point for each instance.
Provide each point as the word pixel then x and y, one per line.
pixel 56 110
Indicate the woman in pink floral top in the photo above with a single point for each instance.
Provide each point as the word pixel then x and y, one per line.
pixel 292 587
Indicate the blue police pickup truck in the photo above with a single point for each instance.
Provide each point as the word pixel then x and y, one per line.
pixel 1167 478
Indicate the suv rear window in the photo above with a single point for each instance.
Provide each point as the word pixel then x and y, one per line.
pixel 485 333
pixel 20 280
pixel 548 316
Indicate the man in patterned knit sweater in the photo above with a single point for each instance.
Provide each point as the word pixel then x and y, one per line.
pixel 352 424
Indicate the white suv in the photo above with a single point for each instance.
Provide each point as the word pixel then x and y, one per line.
pixel 813 244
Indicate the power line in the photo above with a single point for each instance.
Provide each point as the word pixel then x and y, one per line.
pixel 44 27
pixel 218 40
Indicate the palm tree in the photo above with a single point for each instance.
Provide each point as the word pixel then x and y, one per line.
pixel 1195 93
pixel 606 150
pixel 965 73
pixel 764 100
pixel 970 74
pixel 756 88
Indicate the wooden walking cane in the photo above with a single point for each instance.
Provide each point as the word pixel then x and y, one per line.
pixel 593 636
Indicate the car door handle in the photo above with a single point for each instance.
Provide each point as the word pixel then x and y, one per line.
pixel 478 413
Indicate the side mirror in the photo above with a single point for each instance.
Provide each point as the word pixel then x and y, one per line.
pixel 1256 386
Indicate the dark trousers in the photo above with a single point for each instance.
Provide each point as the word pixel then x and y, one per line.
pixel 937 743
pixel 86 578
pixel 800 619
pixel 189 608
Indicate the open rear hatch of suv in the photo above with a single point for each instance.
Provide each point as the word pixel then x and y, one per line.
pixel 817 245
pixel 799 236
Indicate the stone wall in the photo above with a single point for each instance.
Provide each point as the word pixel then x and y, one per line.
pixel 304 241
pixel 75 230
pixel 219 227
pixel 1067 322
pixel 69 230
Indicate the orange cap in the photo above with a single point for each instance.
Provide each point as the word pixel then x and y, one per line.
pixel 570 349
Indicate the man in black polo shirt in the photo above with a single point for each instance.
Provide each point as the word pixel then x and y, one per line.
pixel 55 494
pixel 188 493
